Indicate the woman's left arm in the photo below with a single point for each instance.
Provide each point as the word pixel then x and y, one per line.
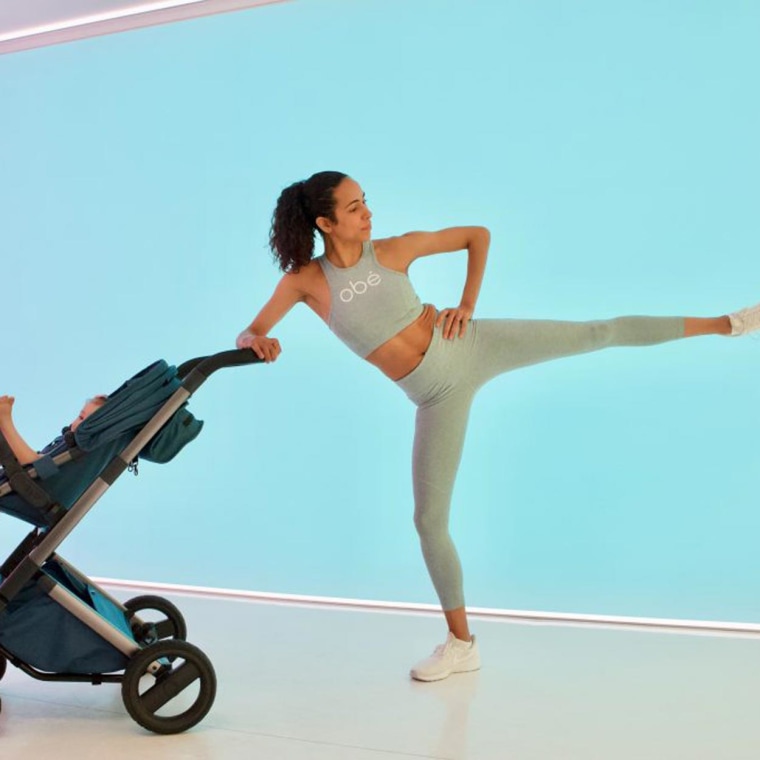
pixel 476 240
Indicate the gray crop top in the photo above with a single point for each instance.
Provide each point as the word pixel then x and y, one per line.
pixel 369 302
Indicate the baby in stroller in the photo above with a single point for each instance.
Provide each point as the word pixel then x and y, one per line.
pixel 25 453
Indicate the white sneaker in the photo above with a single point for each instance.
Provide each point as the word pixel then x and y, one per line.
pixel 745 320
pixel 454 656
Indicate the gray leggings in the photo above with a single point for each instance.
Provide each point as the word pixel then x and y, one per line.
pixel 443 386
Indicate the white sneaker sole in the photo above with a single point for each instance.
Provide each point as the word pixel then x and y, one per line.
pixel 430 677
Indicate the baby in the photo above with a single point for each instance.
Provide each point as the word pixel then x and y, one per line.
pixel 25 453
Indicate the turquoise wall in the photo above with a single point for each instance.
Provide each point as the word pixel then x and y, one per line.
pixel 611 148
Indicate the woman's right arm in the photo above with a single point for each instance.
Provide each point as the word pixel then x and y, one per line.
pixel 286 295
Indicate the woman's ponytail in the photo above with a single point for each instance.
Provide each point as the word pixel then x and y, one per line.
pixel 294 220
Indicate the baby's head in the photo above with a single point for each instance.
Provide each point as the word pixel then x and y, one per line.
pixel 90 406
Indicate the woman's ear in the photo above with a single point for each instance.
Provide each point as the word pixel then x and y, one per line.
pixel 324 224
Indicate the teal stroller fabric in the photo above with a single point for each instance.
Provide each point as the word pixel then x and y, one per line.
pixel 104 434
pixel 132 405
pixel 43 634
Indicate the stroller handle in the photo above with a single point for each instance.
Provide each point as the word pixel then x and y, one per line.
pixel 194 372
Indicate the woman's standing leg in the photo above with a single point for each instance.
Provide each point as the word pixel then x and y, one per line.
pixel 438 443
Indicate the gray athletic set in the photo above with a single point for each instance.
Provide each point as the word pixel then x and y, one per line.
pixel 371 303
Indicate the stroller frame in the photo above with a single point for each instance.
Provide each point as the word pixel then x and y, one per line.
pixel 153 647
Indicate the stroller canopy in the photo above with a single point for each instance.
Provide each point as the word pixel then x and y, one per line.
pixel 133 404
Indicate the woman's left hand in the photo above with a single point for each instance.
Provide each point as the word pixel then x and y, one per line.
pixel 454 321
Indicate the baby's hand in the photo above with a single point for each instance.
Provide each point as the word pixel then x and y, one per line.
pixel 6 405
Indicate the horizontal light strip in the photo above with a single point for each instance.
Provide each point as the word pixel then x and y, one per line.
pixel 135 10
pixel 524 616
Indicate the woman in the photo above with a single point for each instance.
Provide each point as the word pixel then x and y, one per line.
pixel 359 287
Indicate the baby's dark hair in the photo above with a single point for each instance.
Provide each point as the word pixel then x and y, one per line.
pixel 294 220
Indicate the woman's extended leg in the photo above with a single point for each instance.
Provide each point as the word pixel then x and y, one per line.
pixel 502 345
pixel 694 326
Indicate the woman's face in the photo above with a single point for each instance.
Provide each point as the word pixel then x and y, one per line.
pixel 352 215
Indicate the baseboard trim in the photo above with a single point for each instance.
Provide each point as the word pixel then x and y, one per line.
pixel 709 627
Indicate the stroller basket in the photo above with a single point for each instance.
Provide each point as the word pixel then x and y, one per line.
pixel 44 634
pixel 57 624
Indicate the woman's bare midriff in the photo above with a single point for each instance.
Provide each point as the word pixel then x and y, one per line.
pixel 398 356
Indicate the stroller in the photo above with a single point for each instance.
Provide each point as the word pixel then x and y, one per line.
pixel 55 623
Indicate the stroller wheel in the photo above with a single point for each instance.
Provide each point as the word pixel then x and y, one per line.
pixel 167 624
pixel 169 686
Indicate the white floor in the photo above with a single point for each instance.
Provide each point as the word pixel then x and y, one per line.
pixel 299 683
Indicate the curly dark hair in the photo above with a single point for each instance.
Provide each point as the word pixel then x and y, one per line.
pixel 294 220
